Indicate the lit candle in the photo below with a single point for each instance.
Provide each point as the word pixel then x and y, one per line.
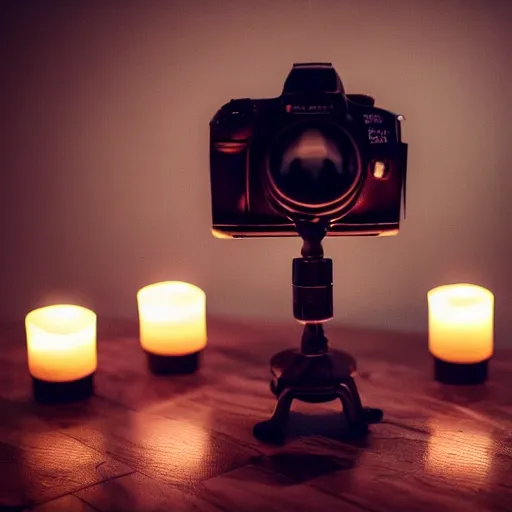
pixel 61 345
pixel 461 332
pixel 172 320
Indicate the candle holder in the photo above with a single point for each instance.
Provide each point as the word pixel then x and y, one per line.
pixel 461 333
pixel 173 365
pixel 61 347
pixel 172 320
pixel 314 373
pixel 62 392
pixel 461 373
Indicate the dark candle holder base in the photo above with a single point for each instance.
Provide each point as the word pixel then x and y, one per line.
pixel 173 365
pixel 314 379
pixel 63 392
pixel 460 373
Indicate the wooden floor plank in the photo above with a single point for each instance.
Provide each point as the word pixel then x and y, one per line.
pixel 176 452
pixel 254 489
pixel 138 493
pixel 40 466
pixel 453 469
pixel 68 503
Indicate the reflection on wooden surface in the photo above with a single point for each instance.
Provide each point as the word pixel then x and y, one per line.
pixel 163 444
pixel 147 443
pixel 455 452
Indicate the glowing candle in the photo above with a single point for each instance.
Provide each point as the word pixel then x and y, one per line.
pixel 61 345
pixel 461 332
pixel 172 319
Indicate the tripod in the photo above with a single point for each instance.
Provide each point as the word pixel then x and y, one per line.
pixel 314 373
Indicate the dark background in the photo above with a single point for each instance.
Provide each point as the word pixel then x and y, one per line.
pixel 104 150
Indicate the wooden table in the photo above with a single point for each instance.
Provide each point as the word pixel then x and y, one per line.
pixel 148 443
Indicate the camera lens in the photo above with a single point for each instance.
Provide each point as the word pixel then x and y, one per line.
pixel 313 165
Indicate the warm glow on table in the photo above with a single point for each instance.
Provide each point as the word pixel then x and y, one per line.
pixel 461 323
pixel 455 452
pixel 172 318
pixel 61 343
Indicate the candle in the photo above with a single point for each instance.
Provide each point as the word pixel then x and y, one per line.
pixel 172 320
pixel 461 332
pixel 61 345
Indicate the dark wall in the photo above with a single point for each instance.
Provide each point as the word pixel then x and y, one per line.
pixel 104 149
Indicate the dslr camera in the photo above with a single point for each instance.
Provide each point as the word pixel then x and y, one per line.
pixel 313 154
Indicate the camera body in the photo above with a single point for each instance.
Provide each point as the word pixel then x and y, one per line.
pixel 313 154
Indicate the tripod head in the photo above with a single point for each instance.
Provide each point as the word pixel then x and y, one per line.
pixel 312 234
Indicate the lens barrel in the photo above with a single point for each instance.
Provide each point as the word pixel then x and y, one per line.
pixel 313 170
pixel 312 289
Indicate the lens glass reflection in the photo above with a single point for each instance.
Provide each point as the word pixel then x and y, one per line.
pixel 313 164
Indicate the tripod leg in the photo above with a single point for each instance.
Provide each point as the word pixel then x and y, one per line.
pixel 355 394
pixel 272 430
pixel 350 409
pixel 368 414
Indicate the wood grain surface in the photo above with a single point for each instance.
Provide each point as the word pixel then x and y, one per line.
pixel 154 443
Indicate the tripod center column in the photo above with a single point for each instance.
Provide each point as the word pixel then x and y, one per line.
pixel 312 289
